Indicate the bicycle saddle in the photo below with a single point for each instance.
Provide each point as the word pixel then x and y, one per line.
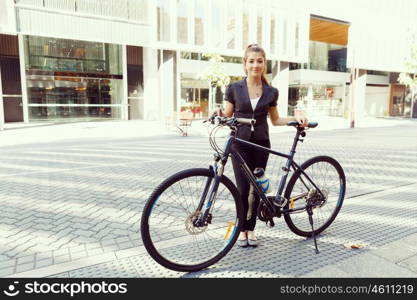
pixel 309 125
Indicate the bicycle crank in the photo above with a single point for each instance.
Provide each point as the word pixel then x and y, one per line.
pixel 265 214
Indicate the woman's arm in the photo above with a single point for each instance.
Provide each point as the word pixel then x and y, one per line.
pixel 228 111
pixel 279 121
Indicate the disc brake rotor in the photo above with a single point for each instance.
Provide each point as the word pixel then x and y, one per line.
pixel 190 227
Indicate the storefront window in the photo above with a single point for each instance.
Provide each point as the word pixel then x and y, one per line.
pixel 317 100
pixel 60 97
pixel 194 96
pixel 69 79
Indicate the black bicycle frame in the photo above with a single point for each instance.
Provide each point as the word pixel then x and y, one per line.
pixel 211 189
pixel 289 164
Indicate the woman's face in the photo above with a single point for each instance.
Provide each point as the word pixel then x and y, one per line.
pixel 255 64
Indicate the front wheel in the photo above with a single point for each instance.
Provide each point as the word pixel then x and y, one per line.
pixel 328 176
pixel 170 230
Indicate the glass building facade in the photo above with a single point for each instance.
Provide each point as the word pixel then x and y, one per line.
pixel 71 79
pixel 142 59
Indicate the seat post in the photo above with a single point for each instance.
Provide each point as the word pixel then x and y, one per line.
pixel 295 142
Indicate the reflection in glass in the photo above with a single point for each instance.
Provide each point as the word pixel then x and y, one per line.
pixel 259 24
pixel 72 55
pixel 231 25
pixel 70 79
pixel 194 96
pixel 327 57
pixel 182 21
pixel 272 33
pixel 163 20
pixel 324 57
pixel 317 99
pixel 55 97
pixel 245 25
pixel 199 22
pixel 216 28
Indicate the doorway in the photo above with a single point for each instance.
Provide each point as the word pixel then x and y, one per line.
pixel 399 106
pixel 10 79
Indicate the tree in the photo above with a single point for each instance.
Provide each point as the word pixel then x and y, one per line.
pixel 215 75
pixel 409 78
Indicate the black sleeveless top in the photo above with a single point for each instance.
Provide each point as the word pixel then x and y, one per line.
pixel 237 94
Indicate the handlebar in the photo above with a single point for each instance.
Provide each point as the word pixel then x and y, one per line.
pixel 231 122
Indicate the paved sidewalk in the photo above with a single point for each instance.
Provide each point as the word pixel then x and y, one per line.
pixel 21 133
pixel 71 203
pixel 388 250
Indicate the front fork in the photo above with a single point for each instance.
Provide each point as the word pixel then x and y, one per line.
pixel 210 189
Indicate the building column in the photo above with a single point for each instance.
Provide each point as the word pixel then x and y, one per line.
pixel 357 96
pixel 1 105
pixel 167 76
pixel 413 108
pixel 22 58
pixel 280 79
pixel 151 87
pixel 125 101
pixel 310 99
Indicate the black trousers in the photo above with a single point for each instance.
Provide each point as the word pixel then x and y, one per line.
pixel 254 159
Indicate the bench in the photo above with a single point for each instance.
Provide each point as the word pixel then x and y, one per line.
pixel 181 121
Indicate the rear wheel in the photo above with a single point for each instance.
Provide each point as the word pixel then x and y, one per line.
pixel 328 176
pixel 168 224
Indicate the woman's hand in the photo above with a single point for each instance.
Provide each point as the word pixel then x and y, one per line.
pixel 301 118
pixel 216 112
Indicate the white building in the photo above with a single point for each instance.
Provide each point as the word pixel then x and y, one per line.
pixel 142 59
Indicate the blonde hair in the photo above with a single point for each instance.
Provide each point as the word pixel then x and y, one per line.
pixel 255 48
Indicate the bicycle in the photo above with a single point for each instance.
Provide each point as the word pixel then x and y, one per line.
pixel 193 218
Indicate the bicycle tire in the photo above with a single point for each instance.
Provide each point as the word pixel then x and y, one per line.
pixel 163 219
pixel 298 222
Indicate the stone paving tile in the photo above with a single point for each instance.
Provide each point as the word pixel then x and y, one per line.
pixel 60 252
pixel 8 263
pixel 78 255
pixel 26 259
pixel 44 263
pixel 94 245
pixel 62 259
pixel 410 263
pixel 396 251
pixel 25 267
pixel 368 265
pixel 60 275
pixel 7 271
pixel 95 251
pixel 126 245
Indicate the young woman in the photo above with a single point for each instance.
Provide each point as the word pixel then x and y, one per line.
pixel 253 97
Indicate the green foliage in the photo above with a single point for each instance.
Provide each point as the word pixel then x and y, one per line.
pixel 214 73
pixel 409 78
